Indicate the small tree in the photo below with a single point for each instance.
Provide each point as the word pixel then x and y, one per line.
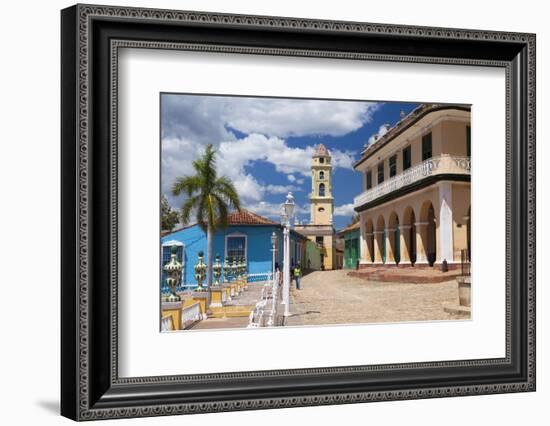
pixel 210 198
pixel 168 216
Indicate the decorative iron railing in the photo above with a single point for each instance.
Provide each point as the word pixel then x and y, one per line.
pixel 262 276
pixel 442 164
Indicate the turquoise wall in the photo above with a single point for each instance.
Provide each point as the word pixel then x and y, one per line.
pixel 351 249
pixel 258 248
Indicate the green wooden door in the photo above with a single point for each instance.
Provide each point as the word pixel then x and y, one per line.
pixel 354 252
pixel 347 253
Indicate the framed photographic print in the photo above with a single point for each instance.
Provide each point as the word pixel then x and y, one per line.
pixel 263 212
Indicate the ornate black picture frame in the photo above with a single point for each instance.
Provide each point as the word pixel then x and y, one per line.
pixel 91 36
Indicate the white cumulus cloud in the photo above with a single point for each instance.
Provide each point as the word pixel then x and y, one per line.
pixel 273 210
pixel 191 122
pixel 382 130
pixel 297 117
pixel 344 210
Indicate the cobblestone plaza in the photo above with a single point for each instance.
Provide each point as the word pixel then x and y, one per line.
pixel 333 297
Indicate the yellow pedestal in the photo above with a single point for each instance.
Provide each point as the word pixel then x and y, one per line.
pixel 234 289
pixel 203 298
pixel 172 309
pixel 219 296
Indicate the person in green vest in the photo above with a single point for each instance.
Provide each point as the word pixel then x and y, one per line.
pixel 297 275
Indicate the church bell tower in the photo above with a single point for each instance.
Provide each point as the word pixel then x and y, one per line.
pixel 321 200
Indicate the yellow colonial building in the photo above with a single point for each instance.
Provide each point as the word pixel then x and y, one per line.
pixel 415 205
pixel 320 229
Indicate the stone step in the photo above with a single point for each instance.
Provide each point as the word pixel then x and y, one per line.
pixel 405 276
pixel 231 311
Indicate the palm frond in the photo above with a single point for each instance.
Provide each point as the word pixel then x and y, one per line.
pixel 225 189
pixel 202 212
pixel 210 197
pixel 222 210
pixel 187 185
pixel 188 206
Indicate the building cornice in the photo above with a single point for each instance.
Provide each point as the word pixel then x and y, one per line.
pixel 401 127
pixel 418 185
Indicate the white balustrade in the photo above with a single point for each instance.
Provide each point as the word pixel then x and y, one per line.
pixel 267 311
pixel 167 323
pixel 443 164
pixel 190 315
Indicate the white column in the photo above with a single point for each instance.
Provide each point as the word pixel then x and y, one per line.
pixel 378 247
pixel 286 271
pixel 404 244
pixel 362 241
pixel 445 223
pixel 368 252
pixel 390 255
pixel 421 243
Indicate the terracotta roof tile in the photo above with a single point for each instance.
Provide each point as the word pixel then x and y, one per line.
pixel 245 217
pixel 321 151
pixel 351 227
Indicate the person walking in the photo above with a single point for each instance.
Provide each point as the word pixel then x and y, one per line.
pixel 297 275
pixel 278 274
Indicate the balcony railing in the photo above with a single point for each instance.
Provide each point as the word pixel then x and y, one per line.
pixel 443 164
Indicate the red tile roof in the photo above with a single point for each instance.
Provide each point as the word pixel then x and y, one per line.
pixel 245 217
pixel 321 151
pixel 351 227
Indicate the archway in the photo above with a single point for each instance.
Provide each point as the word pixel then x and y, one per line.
pixel 380 241
pixel 427 218
pixel 369 239
pixel 394 238
pixel 322 190
pixel 409 233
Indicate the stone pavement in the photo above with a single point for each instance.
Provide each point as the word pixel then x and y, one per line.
pixel 333 297
pixel 405 275
pixel 219 323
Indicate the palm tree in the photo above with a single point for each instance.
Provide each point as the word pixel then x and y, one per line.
pixel 210 198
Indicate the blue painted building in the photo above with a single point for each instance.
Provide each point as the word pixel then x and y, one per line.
pixel 248 235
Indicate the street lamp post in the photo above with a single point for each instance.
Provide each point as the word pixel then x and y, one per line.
pixel 287 212
pixel 273 249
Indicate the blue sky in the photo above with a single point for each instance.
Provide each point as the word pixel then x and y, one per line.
pixel 265 145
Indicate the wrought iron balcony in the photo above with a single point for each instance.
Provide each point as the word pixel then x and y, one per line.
pixel 444 164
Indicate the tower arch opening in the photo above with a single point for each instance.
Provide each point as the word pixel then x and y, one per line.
pixel 321 189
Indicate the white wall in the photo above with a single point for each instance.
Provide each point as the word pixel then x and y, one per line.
pixel 29 217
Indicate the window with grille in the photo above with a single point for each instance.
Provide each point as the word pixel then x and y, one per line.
pixel 406 158
pixel 426 146
pixel 380 173
pixel 322 190
pixel 393 165
pixel 369 179
pixel 236 247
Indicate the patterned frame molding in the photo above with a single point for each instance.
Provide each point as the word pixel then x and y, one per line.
pixel 91 388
